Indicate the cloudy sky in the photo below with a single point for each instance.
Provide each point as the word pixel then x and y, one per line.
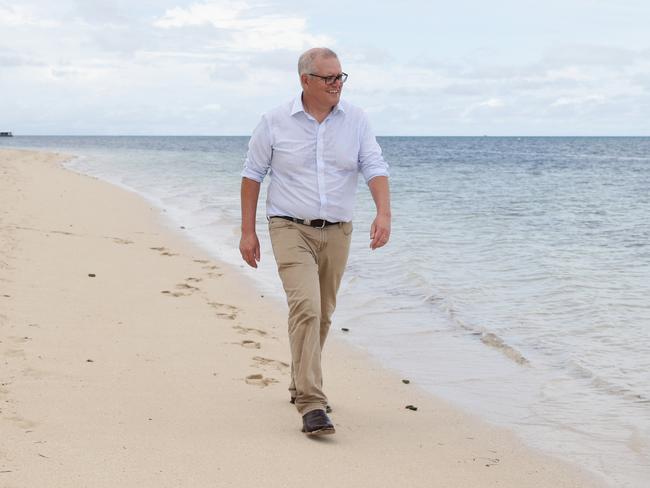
pixel 422 67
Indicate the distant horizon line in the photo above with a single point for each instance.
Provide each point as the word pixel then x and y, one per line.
pixel 248 135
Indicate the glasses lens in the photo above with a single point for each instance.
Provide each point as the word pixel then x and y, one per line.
pixel 331 79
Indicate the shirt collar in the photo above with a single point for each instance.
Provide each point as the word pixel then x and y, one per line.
pixel 299 107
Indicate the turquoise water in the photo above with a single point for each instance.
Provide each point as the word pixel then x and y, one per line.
pixel 515 285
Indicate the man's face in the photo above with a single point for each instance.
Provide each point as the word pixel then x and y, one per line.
pixel 316 88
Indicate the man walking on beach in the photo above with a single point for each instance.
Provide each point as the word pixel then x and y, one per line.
pixel 314 146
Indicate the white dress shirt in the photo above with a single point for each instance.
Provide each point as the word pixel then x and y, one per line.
pixel 313 167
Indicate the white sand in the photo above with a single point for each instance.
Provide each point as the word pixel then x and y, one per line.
pixel 137 376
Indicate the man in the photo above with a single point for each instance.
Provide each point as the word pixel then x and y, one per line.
pixel 314 147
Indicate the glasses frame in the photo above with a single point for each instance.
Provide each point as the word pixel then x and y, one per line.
pixel 330 80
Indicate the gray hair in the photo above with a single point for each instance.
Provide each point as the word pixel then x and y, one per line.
pixel 306 61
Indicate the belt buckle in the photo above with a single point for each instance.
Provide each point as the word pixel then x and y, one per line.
pixel 323 224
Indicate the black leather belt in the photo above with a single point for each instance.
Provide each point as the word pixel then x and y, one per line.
pixel 311 223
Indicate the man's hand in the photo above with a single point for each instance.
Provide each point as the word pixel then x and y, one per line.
pixel 380 231
pixel 380 228
pixel 249 247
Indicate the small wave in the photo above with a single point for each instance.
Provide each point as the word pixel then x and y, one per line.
pixel 488 338
pixel 433 299
pixel 493 340
pixel 605 385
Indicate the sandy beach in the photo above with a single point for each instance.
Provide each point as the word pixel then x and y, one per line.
pixel 131 358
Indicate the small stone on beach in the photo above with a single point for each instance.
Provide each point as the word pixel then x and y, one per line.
pixel 89 361
pixel 411 407
pixel 406 382
pixel 345 329
pixel 92 275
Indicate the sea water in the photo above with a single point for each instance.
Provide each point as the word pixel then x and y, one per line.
pixel 516 283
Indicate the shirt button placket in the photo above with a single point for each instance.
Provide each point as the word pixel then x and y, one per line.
pixel 320 170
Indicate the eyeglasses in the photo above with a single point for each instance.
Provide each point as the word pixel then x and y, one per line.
pixel 329 80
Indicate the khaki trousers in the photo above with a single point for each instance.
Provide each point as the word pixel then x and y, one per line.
pixel 311 262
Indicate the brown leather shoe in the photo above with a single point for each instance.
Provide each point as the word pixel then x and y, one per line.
pixel 328 409
pixel 316 423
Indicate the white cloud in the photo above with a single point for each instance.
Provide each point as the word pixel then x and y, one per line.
pixel 481 107
pixel 591 55
pixel 579 100
pixel 492 103
pixel 16 60
pixel 212 107
pixel 20 16
pixel 568 73
pixel 223 15
pixel 249 29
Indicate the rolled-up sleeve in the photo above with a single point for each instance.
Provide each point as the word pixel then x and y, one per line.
pixel 260 151
pixel 371 161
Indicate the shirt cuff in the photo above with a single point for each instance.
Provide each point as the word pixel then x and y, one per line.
pixel 373 174
pixel 253 175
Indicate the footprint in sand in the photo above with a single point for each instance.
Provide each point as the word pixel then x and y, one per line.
pixel 23 423
pixel 14 353
pixel 185 286
pixel 224 310
pixel 274 363
pixel 211 271
pixel 487 460
pixel 193 280
pixel 202 261
pixel 163 251
pixel 248 344
pixel 20 340
pixel 247 330
pixel 175 293
pixel 119 240
pixel 259 380
pixel 33 373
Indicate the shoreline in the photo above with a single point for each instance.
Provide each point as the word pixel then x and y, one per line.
pixel 112 369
